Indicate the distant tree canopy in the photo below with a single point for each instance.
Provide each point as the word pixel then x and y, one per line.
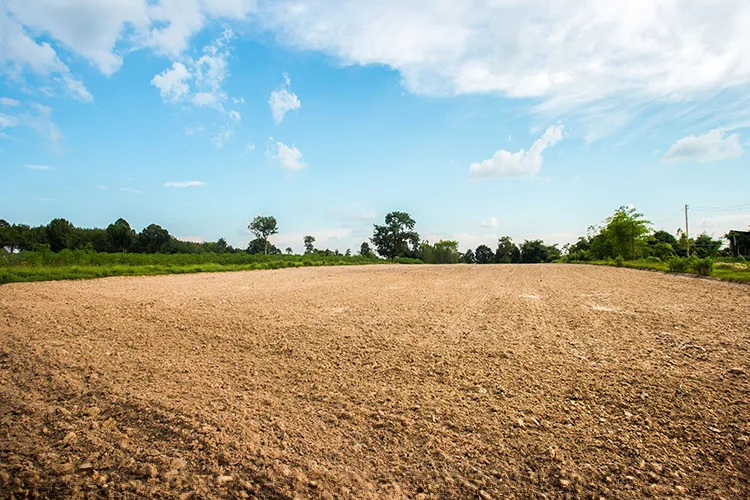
pixel 393 239
pixel 309 242
pixel 263 227
pixel 442 252
pixel 365 250
pixel 120 236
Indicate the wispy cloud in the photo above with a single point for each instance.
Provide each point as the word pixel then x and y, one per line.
pixel 193 130
pixel 7 101
pixel 130 190
pixel 101 186
pixel 38 167
pixel 491 222
pixel 183 184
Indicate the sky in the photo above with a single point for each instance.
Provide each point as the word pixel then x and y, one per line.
pixel 480 118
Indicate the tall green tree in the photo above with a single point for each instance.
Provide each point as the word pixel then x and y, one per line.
pixel 263 227
pixel 120 235
pixel 392 239
pixel 706 246
pixel 59 234
pixel 309 242
pixel 468 257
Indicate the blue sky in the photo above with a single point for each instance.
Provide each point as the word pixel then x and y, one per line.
pixel 480 119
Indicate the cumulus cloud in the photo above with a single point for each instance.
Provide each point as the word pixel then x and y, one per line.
pixel 282 101
pixel 711 146
pixel 519 164
pixel 287 157
pixel 183 184
pixel 38 167
pixel 172 83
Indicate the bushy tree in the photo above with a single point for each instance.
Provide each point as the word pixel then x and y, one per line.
pixel 392 239
pixel 706 246
pixel 120 236
pixel 153 239
pixel 261 246
pixel 507 252
pixel 263 227
pixel 468 257
pixel 442 252
pixel 626 233
pixel 484 254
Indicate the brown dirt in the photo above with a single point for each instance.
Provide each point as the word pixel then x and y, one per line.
pixel 538 381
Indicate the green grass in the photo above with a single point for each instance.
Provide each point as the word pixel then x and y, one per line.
pixel 728 271
pixel 75 265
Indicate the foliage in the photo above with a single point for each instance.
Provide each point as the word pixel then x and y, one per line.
pixel 507 252
pixel 59 234
pixel 468 257
pixel 705 246
pixel 263 227
pixel 365 250
pixel 392 239
pixel 153 239
pixel 704 267
pixel 120 236
pixel 261 246
pixel 484 254
pixel 625 233
pixel 408 260
pixel 309 242
pixel 679 265
pixel 442 252
pixel 535 251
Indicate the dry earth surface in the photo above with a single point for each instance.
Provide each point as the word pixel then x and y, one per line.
pixel 540 381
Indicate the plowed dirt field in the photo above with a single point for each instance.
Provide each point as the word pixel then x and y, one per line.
pixel 539 381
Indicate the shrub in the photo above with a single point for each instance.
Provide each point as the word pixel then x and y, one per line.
pixel 704 267
pixel 619 261
pixel 678 265
pixel 653 259
pixel 407 260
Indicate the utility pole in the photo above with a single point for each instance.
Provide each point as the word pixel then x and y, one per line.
pixel 687 232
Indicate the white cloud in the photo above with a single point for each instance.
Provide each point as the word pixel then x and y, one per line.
pixel 288 157
pixel 719 225
pixel 250 147
pixel 222 137
pixel 101 186
pixel 183 184
pixel 130 190
pixel 522 163
pixel 234 116
pixel 38 167
pixel 193 130
pixel 566 54
pixel 711 146
pixel 172 83
pixel 492 222
pixel 7 101
pixel 282 101
pixel 8 121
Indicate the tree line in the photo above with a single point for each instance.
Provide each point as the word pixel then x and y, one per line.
pixel 626 235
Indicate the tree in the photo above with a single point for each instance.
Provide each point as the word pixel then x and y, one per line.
pixel 153 239
pixel 348 252
pixel 534 252
pixel 120 236
pixel 59 234
pixel 263 227
pixel 392 239
pixel 289 250
pixel 365 250
pixel 705 246
pixel 484 254
pixel 507 251
pixel 309 244
pixel 625 233
pixel 445 252
pixel 468 257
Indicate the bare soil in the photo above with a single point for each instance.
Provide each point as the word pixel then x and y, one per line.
pixel 540 381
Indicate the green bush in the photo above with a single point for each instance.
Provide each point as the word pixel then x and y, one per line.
pixel 679 265
pixel 619 261
pixel 407 260
pixel 704 267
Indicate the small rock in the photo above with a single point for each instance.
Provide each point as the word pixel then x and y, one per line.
pixel 222 480
pixel 520 423
pixel 85 466
pixel 149 470
pixel 64 469
pixel 70 438
pixel 93 412
pixel 564 483
pixel 736 371
pixel 178 463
